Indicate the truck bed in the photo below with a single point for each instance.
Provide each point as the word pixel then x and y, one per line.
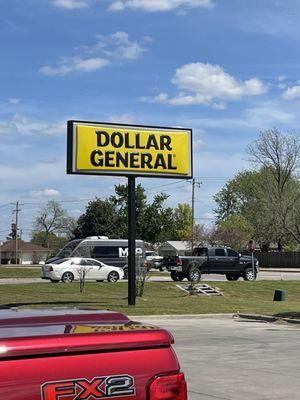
pixel 80 355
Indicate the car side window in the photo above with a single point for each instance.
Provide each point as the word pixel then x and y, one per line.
pixel 96 263
pixel 232 253
pixel 220 252
pixel 84 262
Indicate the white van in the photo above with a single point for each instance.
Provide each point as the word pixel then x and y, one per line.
pixel 109 251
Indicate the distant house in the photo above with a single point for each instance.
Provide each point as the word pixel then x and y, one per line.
pixel 28 253
pixel 175 247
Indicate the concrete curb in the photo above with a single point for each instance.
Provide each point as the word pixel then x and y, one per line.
pixel 267 318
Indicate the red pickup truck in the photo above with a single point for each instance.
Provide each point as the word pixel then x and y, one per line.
pixel 85 355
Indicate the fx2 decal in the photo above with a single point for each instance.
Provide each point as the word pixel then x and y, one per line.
pixel 84 389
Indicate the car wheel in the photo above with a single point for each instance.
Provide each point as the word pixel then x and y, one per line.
pixel 125 269
pixel 230 277
pixel 100 280
pixel 177 276
pixel 249 274
pixel 67 277
pixel 54 281
pixel 113 276
pixel 194 274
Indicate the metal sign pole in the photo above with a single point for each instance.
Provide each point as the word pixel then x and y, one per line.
pixel 131 240
pixel 253 263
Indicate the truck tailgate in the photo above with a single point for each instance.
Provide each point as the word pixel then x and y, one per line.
pixel 81 356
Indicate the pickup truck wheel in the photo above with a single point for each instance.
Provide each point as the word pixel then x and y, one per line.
pixel 113 276
pixel 249 275
pixel 177 276
pixel 67 277
pixel 230 277
pixel 194 274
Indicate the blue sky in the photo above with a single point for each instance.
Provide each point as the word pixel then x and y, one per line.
pixel 225 68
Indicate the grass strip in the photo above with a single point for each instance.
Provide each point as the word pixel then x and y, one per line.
pixel 160 297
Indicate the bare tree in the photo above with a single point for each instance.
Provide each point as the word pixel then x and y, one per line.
pixel 278 151
pixel 279 154
pixel 53 219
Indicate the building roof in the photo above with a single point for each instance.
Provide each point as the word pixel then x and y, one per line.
pixel 179 244
pixel 25 247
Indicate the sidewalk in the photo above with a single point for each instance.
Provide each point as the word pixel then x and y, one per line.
pixel 274 269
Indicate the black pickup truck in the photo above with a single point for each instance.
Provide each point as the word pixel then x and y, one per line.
pixel 212 260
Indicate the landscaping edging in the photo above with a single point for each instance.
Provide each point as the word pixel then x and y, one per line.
pixel 267 318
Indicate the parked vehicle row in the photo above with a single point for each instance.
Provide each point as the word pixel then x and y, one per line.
pixel 107 259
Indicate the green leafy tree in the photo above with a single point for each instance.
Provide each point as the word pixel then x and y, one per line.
pixel 54 242
pixel 108 217
pixel 183 221
pixel 101 218
pixel 234 231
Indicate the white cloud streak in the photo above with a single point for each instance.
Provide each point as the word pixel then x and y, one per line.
pixel 48 193
pixel 20 124
pixel 207 84
pixel 67 66
pixel 71 4
pixel 113 48
pixel 158 5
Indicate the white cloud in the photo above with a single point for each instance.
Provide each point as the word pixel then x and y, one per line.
pixel 20 124
pixel 292 92
pixel 281 78
pixel 159 5
pixel 118 46
pixel 44 193
pixel 71 4
pixel 122 119
pixel 13 100
pixel 74 64
pixel 208 84
pixel 113 48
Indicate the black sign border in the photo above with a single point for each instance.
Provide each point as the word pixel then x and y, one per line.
pixel 70 170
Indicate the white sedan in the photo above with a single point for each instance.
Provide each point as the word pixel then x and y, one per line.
pixel 69 269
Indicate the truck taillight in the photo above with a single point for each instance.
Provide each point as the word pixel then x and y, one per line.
pixel 168 387
pixel 178 261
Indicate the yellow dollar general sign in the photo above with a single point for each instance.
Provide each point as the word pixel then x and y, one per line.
pixel 116 149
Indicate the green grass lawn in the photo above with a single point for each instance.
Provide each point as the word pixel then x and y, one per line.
pixel 159 298
pixel 19 272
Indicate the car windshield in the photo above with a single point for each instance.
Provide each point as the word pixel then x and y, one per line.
pixel 68 249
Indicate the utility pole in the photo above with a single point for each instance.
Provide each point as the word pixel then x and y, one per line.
pixel 194 183
pixel 17 210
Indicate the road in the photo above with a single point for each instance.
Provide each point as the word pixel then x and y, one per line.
pixel 225 359
pixel 263 275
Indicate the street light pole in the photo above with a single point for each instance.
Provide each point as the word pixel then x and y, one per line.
pixel 194 183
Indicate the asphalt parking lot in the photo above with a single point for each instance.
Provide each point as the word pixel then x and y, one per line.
pixel 227 359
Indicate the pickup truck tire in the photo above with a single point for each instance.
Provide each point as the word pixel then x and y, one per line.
pixel 193 274
pixel 67 277
pixel 177 276
pixel 113 276
pixel 231 277
pixel 248 274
